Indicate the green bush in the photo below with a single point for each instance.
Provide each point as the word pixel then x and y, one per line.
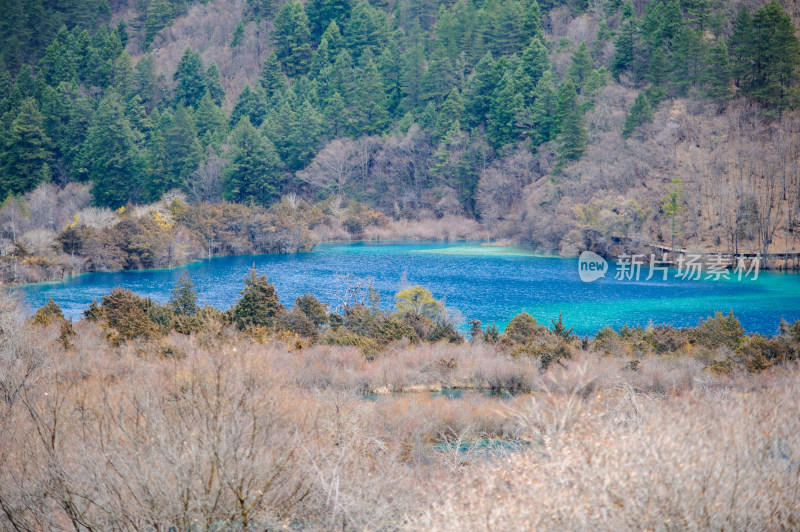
pixel 758 353
pixel 666 339
pixel 259 304
pixel 48 313
pixel 719 330
pixel 312 308
pixel 443 330
pixel 128 314
pixel 523 328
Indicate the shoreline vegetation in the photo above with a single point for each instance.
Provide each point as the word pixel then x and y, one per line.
pixel 147 415
pixel 53 233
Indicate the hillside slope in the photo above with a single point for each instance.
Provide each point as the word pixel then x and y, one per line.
pixel 561 126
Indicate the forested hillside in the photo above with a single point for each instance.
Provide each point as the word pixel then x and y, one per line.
pixel 561 125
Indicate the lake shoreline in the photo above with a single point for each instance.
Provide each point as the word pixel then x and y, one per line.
pixel 487 243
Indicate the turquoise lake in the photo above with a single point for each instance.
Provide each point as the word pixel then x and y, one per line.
pixel 491 284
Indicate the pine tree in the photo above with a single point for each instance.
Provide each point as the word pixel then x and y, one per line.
pixel 640 113
pixel 144 82
pixel 411 73
pixel 214 85
pixel 183 297
pixel 452 111
pixel 272 77
pixel 624 55
pixel 292 38
pixel 110 157
pixel 303 138
pixel 658 75
pixel 27 155
pixel 532 23
pixel 543 111
pixel 254 171
pixel 718 73
pixel 367 27
pixel 252 104
pixel 183 153
pixel 478 91
pixel 581 66
pixel 321 13
pixel 688 59
pixel 438 80
pixel 335 115
pixel 506 27
pixel 369 114
pixel 259 304
pixel 505 106
pixel 776 58
pixel 191 78
pixel 536 60
pixel 741 46
pixel 211 123
pixel 59 63
pixel 572 134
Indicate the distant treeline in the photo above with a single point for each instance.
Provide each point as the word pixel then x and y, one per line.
pixel 470 80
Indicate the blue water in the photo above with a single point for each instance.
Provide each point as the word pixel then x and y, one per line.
pixel 487 283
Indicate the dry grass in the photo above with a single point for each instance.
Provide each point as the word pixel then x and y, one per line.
pixel 234 434
pixel 619 460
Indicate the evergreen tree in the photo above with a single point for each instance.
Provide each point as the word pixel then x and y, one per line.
pixel 369 114
pixel 366 28
pixel 452 111
pixel 259 304
pixel 191 78
pixel 572 134
pixel 688 59
pixel 145 81
pixel 292 38
pixel 122 73
pixel 183 297
pixel 543 111
pixel 505 106
pixel 506 34
pixel 640 113
pixel 718 73
pixel 251 104
pixel 183 153
pixel 478 91
pixel 214 85
pixel 110 157
pixel 59 63
pixel 658 75
pixel 297 134
pixel 272 77
pixel 27 155
pixel 624 54
pixel 335 116
pixel 532 23
pixel 581 66
pixel 438 80
pixel 776 58
pixel 211 123
pixel 321 13
pixel 411 73
pixel 254 171
pixel 536 60
pixel 741 46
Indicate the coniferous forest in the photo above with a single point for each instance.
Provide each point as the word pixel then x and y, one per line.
pixel 556 126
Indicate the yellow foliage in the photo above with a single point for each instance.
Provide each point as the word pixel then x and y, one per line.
pixel 163 221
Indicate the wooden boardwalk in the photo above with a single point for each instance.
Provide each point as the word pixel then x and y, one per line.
pixel 786 256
